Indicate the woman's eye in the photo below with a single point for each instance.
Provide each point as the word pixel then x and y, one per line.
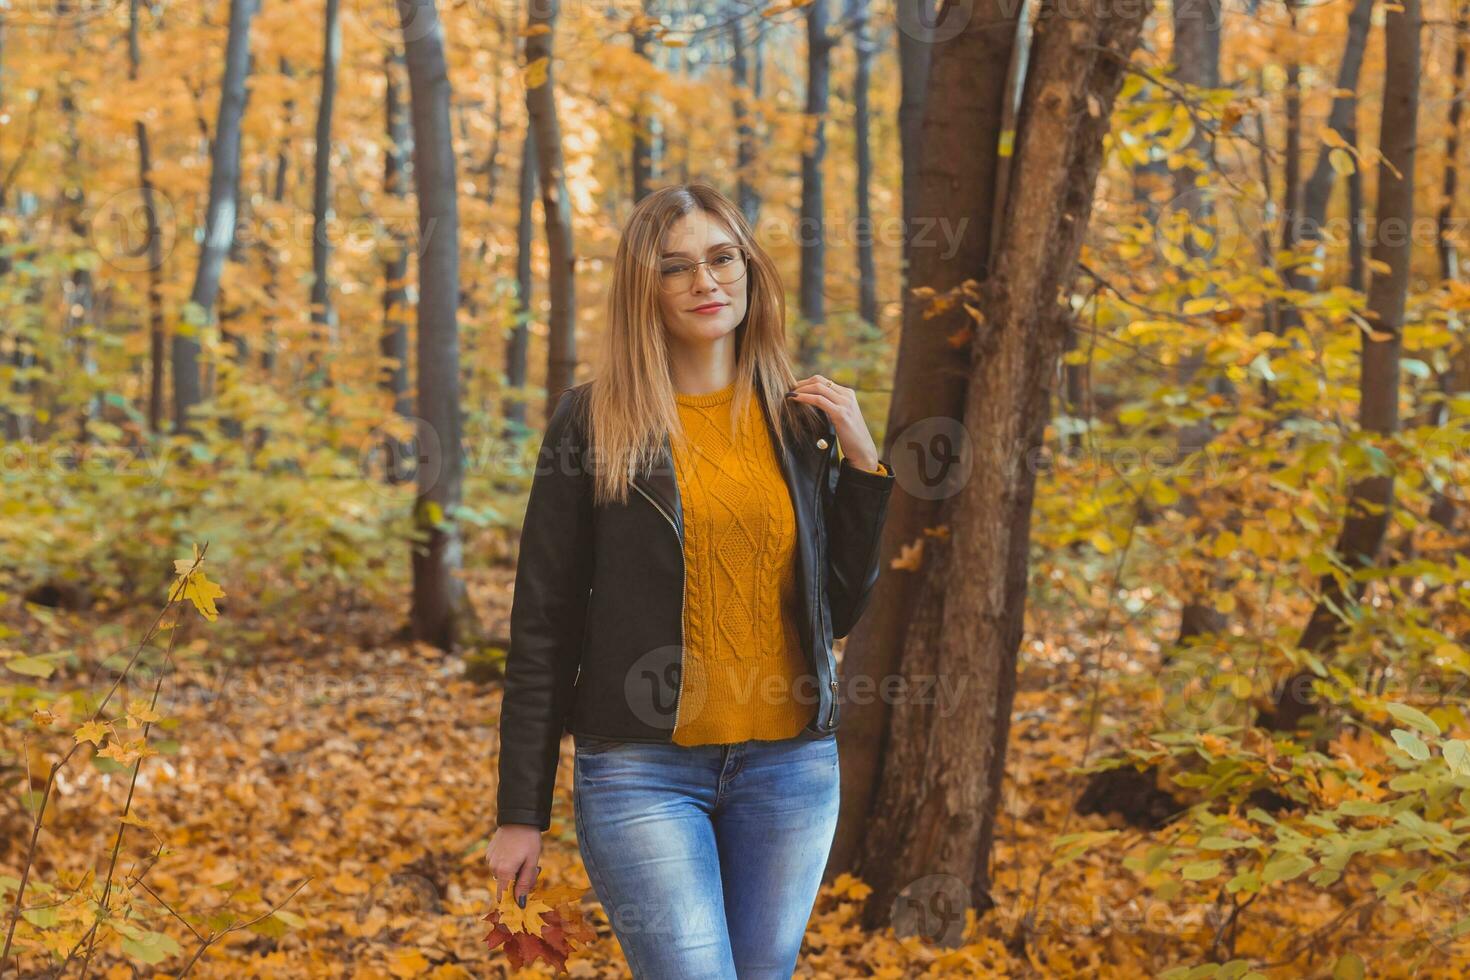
pixel 724 258
pixel 674 270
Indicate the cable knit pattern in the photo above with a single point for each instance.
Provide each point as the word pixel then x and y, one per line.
pixel 742 654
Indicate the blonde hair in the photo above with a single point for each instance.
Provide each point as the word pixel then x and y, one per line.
pixel 631 400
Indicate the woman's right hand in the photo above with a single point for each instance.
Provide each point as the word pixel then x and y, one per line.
pixel 512 855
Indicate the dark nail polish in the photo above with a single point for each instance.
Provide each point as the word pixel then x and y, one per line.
pixel 521 901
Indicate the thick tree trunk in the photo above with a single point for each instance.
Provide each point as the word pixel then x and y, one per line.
pixel 1370 501
pixel 955 156
pixel 933 822
pixel 441 612
pixel 219 224
pixel 561 359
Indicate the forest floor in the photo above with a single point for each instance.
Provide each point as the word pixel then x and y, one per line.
pixel 356 776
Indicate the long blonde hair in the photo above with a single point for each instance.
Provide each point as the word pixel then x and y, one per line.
pixel 631 399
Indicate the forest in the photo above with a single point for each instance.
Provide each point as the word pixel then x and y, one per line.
pixel 1155 308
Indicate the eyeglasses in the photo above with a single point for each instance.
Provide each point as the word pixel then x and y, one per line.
pixel 725 266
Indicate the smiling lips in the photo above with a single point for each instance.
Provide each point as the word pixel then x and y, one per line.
pixel 709 307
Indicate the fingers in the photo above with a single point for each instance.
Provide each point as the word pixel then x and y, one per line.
pixel 825 388
pixel 504 871
pixel 823 393
pixel 526 879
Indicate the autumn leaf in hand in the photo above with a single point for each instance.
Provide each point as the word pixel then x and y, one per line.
pixel 538 932
pixel 192 585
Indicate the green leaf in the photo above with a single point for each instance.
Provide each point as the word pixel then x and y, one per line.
pixel 153 948
pixel 1349 967
pixel 1284 867
pixel 42 917
pixel 1457 755
pixel 1411 744
pixel 31 666
pixel 290 918
pixel 1250 882
pixel 1202 870
pixel 1226 843
pixel 1413 717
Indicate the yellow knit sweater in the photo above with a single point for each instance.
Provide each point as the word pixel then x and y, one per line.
pixel 742 658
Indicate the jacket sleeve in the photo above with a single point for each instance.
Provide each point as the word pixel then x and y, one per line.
pixel 855 501
pixel 548 612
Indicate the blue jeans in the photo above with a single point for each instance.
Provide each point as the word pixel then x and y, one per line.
pixel 707 858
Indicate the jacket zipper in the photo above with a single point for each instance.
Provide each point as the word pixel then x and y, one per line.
pixel 817 593
pixel 683 588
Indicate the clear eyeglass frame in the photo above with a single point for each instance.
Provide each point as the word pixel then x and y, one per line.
pixel 678 276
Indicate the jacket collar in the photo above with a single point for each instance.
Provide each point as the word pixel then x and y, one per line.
pixel 661 484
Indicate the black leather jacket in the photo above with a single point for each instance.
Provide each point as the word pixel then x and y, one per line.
pixel 597 617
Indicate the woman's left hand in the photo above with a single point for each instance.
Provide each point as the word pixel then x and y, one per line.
pixel 841 406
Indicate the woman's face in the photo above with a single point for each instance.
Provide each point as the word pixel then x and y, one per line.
pixel 703 310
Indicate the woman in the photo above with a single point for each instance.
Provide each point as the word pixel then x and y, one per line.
pixel 690 549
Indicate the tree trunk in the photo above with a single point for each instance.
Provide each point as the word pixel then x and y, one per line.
pixel 954 155
pixel 1370 500
pixel 517 349
pixel 152 241
pixel 642 138
pixel 915 46
pixel 219 226
pixel 322 313
pixel 441 612
pixel 394 345
pixel 863 46
pixel 1197 64
pixel 955 159
pixel 561 360
pixel 1291 184
pixel 268 351
pixel 1449 256
pixel 745 148
pixel 810 229
pixel 930 830
pixel 1341 118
